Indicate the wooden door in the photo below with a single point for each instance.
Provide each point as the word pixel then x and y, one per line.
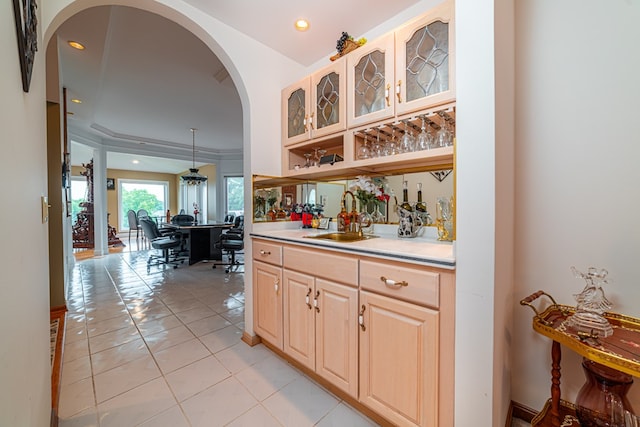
pixel 399 360
pixel 299 330
pixel 337 335
pixel 267 294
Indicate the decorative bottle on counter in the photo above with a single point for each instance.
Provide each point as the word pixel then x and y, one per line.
pixel 343 218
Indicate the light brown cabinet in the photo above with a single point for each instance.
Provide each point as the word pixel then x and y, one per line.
pixel 404 71
pixel 320 328
pixel 399 360
pixel 267 292
pixel 315 106
pixel 380 331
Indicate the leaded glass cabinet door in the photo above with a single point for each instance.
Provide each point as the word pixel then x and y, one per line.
pixel 329 106
pixel 425 56
pixel 370 78
pixel 296 101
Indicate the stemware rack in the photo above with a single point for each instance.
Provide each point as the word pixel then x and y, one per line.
pixel 347 144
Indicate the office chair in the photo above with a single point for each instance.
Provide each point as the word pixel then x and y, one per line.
pixel 165 243
pixel 232 242
pixel 182 219
pixel 229 218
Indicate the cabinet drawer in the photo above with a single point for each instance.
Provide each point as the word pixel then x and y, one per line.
pixel 399 281
pixel 342 268
pixel 267 252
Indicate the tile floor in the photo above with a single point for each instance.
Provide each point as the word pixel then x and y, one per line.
pixel 164 349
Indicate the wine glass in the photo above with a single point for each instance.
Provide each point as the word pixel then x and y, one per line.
pixel 407 142
pixel 442 136
pixel 391 146
pixel 319 153
pixel 378 149
pixel 308 160
pixel 364 152
pixel 424 140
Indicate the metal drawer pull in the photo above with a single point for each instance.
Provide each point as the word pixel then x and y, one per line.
pixel 308 300
pixel 361 318
pixel 276 284
pixel 315 302
pixel 263 252
pixel 390 282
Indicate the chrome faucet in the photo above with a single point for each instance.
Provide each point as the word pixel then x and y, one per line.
pixel 354 219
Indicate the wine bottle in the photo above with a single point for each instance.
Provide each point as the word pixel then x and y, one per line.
pixel 420 205
pixel 405 198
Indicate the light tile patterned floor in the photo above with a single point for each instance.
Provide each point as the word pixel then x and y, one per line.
pixel 164 349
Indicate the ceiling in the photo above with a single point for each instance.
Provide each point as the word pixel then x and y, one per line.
pixel 144 81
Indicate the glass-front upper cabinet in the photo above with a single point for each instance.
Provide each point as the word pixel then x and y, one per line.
pixel 370 81
pixel 316 105
pixel 425 60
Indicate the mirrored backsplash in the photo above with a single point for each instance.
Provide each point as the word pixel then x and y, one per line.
pixel 286 200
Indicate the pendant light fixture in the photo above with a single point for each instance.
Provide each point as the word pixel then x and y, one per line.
pixel 193 177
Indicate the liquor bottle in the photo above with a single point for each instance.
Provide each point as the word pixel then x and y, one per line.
pixel 343 218
pixel 420 205
pixel 405 198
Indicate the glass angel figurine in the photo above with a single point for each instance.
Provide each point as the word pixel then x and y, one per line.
pixel 592 304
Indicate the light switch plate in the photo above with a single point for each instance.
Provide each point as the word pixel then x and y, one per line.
pixel 45 208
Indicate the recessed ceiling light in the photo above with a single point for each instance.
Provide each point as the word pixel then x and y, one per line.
pixel 76 100
pixel 301 25
pixel 135 162
pixel 76 45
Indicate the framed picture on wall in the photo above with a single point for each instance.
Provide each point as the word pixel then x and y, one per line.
pixel 24 12
pixel 111 184
pixel 288 199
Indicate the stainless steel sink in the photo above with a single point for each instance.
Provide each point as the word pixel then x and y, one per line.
pixel 342 237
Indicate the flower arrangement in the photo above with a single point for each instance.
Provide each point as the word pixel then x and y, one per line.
pixel 369 190
pixel 272 197
pixel 196 209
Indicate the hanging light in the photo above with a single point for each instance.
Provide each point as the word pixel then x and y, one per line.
pixel 193 177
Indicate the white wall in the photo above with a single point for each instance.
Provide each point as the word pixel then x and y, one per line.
pixel 577 174
pixel 25 371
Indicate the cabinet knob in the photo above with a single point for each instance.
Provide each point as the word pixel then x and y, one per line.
pixel 263 252
pixel 398 91
pixel 361 318
pixel 311 121
pixel 390 282
pixel 276 284
pixel 315 302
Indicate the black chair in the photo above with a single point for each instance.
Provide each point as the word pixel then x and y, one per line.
pixel 168 244
pixel 132 218
pixel 232 243
pixel 229 219
pixel 182 219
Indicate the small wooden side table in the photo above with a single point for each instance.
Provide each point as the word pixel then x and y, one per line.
pixel 620 351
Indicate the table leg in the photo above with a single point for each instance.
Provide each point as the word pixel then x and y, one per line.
pixel 555 384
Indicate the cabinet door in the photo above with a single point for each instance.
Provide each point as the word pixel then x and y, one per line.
pixel 329 99
pixel 337 335
pixel 267 306
pixel 296 103
pixel 425 55
pixel 299 316
pixel 370 81
pixel 399 360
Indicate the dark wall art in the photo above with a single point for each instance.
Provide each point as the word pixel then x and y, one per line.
pixel 27 31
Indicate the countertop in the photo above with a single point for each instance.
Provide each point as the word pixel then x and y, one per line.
pixel 424 250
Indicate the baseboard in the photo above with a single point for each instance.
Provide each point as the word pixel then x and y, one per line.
pixel 250 339
pixel 518 410
pixel 60 313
